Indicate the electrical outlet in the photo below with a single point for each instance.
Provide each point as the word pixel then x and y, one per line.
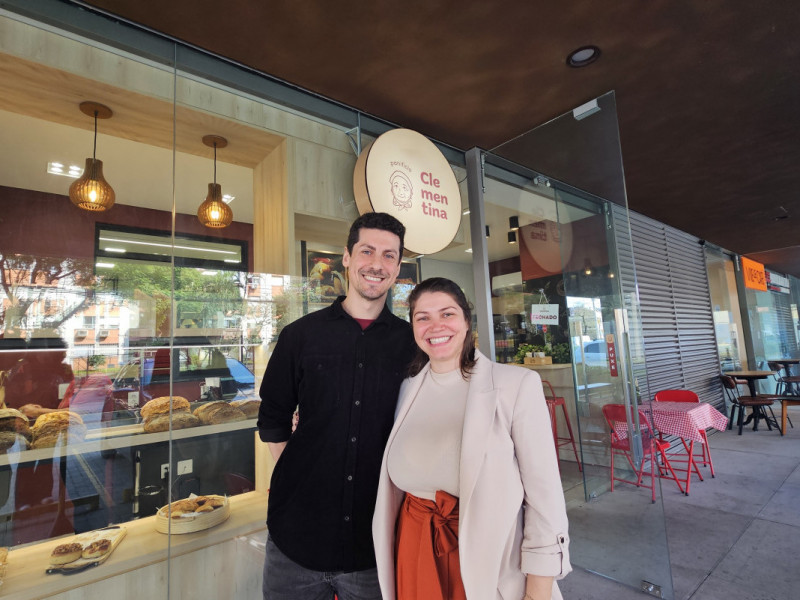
pixel 185 467
pixel 164 470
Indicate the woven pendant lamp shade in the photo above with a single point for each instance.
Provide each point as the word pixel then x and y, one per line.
pixel 91 191
pixel 213 212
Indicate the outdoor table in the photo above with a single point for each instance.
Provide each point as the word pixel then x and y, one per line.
pixel 750 377
pixel 785 364
pixel 684 420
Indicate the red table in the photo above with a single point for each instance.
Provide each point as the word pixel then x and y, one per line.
pixel 684 420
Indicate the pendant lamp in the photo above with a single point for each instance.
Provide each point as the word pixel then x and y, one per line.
pixel 91 191
pixel 213 212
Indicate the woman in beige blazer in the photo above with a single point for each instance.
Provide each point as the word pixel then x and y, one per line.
pixel 512 540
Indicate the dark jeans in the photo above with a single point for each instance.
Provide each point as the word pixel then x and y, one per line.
pixel 284 579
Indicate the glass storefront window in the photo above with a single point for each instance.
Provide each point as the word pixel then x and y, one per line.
pixel 727 315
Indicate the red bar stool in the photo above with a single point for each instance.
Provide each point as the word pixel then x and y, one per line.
pixel 552 402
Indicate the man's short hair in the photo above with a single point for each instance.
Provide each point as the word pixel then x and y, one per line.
pixel 376 220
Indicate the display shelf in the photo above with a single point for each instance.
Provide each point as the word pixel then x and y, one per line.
pixel 124 436
pixel 143 546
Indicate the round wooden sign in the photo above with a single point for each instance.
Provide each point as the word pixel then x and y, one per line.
pixel 404 174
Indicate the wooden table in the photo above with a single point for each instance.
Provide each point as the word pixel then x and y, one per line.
pixel 758 412
pixel 750 377
pixel 792 383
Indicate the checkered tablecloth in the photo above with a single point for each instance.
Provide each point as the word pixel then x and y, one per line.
pixel 683 419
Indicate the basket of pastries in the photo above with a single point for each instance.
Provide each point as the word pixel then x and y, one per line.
pixel 85 550
pixel 14 429
pixel 191 514
pixel 58 428
pixel 156 414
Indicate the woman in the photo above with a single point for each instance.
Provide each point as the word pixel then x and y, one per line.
pixel 470 502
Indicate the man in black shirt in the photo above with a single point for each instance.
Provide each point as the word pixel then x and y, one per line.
pixel 342 368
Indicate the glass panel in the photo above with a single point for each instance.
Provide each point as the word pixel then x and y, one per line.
pixel 727 315
pixel 69 317
pixel 567 301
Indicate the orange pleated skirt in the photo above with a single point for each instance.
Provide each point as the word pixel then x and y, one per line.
pixel 428 567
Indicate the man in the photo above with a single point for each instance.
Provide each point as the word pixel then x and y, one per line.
pixel 342 368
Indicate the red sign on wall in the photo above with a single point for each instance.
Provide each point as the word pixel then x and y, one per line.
pixel 612 355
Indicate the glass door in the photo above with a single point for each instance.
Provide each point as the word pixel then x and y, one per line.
pixel 563 289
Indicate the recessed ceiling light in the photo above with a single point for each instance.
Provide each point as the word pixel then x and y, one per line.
pixel 117 250
pixel 585 55
pixel 57 168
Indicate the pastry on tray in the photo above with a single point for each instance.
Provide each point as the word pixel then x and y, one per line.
pixel 66 553
pixel 97 548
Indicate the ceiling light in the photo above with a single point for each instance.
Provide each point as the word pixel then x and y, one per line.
pixel 611 274
pixel 208 272
pixel 583 56
pixel 104 265
pixel 513 223
pixel 587 267
pixel 231 260
pixel 91 191
pixel 213 212
pixel 512 237
pixel 117 250
pixel 468 250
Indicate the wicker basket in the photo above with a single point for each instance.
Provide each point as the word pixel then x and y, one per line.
pixel 190 523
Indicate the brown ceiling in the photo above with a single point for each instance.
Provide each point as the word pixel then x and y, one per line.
pixel 707 93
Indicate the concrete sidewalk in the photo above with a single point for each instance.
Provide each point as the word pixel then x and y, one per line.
pixel 735 537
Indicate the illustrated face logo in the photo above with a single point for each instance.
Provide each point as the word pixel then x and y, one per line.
pixel 402 190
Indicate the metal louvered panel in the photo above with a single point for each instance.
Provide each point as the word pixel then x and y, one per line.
pixel 675 306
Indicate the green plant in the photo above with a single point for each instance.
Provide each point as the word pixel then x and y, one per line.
pixel 561 353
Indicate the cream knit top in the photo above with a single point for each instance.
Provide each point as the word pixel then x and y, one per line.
pixel 426 452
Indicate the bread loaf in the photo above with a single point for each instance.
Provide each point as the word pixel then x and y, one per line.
pixel 214 413
pixel 248 407
pixel 180 420
pixel 160 406
pixel 13 420
pixel 58 427
pixel 9 438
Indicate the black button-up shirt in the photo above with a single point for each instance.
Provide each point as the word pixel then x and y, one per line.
pixel 345 382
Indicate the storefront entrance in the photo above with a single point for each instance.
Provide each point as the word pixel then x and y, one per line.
pixel 561 298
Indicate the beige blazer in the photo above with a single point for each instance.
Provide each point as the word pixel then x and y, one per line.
pixel 512 517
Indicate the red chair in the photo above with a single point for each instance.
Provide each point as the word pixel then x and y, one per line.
pixel 552 402
pixel 704 458
pixel 617 422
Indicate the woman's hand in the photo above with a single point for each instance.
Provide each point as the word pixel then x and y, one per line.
pixel 538 587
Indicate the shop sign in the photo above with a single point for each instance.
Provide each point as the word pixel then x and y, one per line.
pixel 612 355
pixel 404 174
pixel 754 275
pixel 544 314
pixel 777 283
